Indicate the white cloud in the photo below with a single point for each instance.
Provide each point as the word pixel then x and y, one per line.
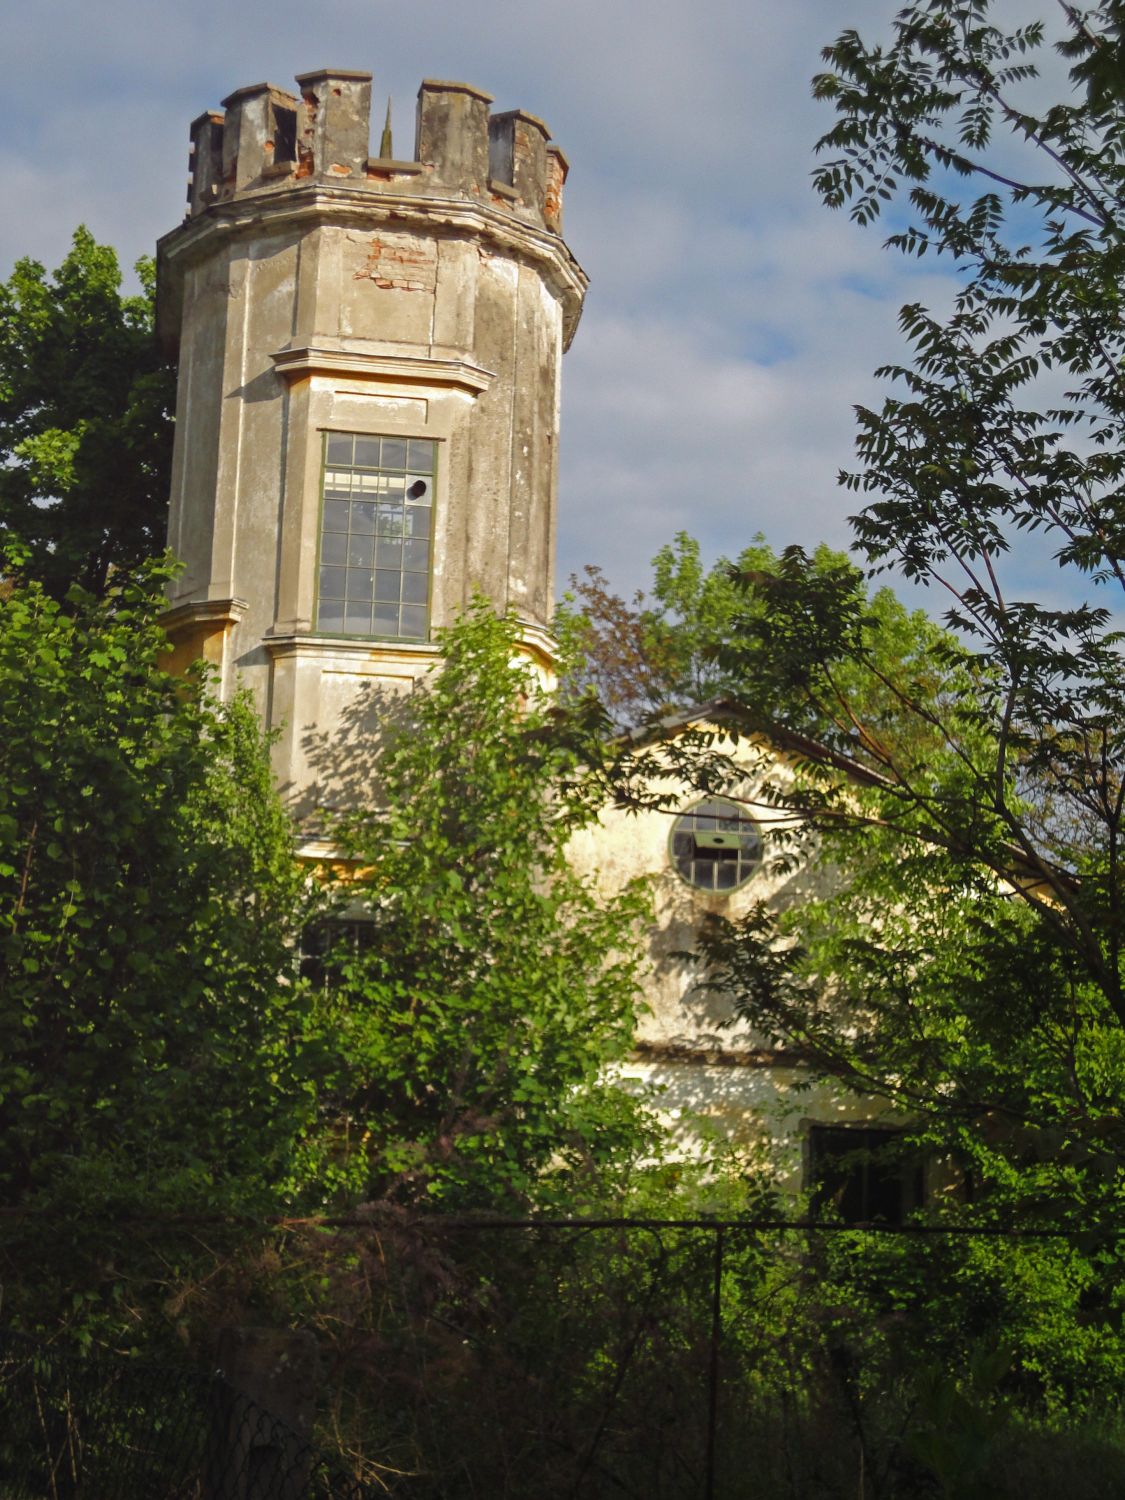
pixel 713 392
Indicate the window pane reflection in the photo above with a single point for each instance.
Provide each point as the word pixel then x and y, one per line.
pixel 715 846
pixel 374 576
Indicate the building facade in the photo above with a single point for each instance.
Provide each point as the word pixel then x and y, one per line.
pixel 367 427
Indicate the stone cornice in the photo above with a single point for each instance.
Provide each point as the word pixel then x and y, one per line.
pixel 350 202
pixel 539 642
pixel 354 650
pixel 203 612
pixel 320 360
pixel 359 652
pixel 701 1055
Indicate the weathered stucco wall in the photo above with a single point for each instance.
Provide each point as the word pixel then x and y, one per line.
pixel 710 1074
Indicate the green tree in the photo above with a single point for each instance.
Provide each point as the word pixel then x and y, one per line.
pixel 153 1048
pixel 969 964
pixel 86 403
pixel 650 653
pixel 702 633
pixel 965 963
pixel 996 464
pixel 477 1024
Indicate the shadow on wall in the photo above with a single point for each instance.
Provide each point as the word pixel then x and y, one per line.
pixel 685 1011
pixel 365 716
pixel 756 1113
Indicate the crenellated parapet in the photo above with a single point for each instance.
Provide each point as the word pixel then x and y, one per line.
pixel 267 139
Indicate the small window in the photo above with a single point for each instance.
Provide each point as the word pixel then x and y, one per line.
pixel 716 846
pixel 325 943
pixel 376 536
pixel 284 133
pixel 864 1174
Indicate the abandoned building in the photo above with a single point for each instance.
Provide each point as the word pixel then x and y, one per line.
pixel 369 352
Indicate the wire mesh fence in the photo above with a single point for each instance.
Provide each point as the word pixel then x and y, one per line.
pixel 100 1428
pixel 583 1360
pixel 697 1360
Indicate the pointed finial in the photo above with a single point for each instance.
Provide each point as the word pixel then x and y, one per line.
pixel 386 150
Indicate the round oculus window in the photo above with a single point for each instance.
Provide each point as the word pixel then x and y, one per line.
pixel 716 846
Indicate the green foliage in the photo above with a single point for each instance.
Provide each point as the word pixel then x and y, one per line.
pixel 955 1359
pixel 965 958
pixel 999 455
pixel 968 963
pixel 161 1059
pixel 741 630
pixel 476 1027
pixel 653 653
pixel 517 1362
pixel 85 418
pixel 151 1047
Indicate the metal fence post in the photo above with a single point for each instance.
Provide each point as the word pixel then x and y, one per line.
pixel 262 1417
pixel 713 1374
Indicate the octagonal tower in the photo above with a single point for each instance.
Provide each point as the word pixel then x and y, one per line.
pixel 367 417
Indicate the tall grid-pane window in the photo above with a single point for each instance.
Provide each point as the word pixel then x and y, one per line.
pixel 376 536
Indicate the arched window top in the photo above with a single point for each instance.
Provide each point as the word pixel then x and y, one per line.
pixel 715 845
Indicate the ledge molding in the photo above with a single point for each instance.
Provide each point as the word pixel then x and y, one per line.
pixel 312 359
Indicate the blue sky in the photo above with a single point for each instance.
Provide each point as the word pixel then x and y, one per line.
pixel 732 322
